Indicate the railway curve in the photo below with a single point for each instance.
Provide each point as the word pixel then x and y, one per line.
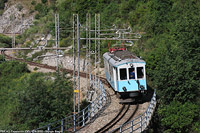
pixel 109 124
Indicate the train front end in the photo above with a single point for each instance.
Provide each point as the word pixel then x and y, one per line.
pixel 131 79
pixel 126 73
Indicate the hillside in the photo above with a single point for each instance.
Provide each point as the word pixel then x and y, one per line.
pixel 170 47
pixel 17 15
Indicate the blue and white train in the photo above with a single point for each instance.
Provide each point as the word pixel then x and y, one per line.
pixel 125 72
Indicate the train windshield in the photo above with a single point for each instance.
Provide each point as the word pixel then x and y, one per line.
pixel 131 73
pixel 123 74
pixel 140 72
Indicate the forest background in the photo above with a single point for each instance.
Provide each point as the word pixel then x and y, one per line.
pixel 170 46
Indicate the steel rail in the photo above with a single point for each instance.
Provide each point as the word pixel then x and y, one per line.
pixel 122 108
pixel 129 119
pixel 82 74
pixel 115 120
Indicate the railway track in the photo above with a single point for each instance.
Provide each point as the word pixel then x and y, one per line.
pixel 121 114
pixel 82 74
pixel 119 117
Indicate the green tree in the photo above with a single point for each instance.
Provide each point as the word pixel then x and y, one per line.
pixel 31 100
pixel 177 117
pixel 41 101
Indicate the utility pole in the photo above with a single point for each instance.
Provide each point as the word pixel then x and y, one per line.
pixel 76 79
pixel 90 88
pixel 13 35
pixel 98 47
pixel 87 52
pixel 78 61
pixel 57 40
pixel 74 63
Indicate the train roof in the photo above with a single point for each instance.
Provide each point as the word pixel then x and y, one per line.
pixel 118 58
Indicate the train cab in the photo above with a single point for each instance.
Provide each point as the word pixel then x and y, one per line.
pixel 126 73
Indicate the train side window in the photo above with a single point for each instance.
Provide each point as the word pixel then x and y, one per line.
pixel 111 70
pixel 123 74
pixel 105 64
pixel 140 72
pixel 116 73
pixel 131 73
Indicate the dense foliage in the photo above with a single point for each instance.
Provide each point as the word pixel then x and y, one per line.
pixel 31 100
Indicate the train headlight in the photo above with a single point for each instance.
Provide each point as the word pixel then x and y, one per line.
pixel 142 87
pixel 131 65
pixel 124 88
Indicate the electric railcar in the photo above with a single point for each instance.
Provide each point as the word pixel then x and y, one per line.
pixel 125 72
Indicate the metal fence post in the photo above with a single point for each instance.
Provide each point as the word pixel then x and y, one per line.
pixel 74 118
pixel 147 114
pixel 83 118
pixel 62 126
pixel 48 127
pixel 150 109
pixel 120 129
pixel 92 109
pixel 131 126
pixel 146 119
pixel 88 113
pixel 100 102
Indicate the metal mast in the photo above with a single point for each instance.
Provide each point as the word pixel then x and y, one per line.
pixel 13 33
pixel 56 40
pixel 74 63
pixel 97 48
pixel 78 61
pixel 87 51
pixel 98 44
pixel 88 43
pixel 76 82
pixel 95 58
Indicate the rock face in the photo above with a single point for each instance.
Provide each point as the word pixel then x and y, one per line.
pixel 15 19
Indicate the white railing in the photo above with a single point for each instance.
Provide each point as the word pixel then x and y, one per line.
pixel 140 123
pixel 74 122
